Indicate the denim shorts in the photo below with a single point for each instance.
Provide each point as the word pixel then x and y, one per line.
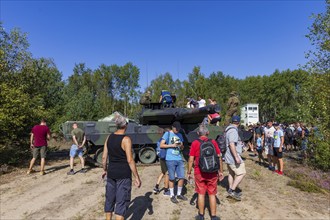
pixel 175 167
pixel 74 151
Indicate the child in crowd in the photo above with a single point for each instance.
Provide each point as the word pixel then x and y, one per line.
pixel 259 149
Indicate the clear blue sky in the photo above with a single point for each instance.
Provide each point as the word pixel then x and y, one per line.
pixel 239 38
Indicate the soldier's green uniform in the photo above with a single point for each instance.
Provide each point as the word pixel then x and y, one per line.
pixel 145 99
pixel 232 106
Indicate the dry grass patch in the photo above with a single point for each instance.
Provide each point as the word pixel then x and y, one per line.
pixel 256 175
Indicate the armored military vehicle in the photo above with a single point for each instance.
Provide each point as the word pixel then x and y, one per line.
pixel 153 120
pixel 143 137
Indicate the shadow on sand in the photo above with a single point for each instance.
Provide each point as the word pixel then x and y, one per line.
pixel 138 206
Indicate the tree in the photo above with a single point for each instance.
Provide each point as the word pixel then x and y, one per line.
pixel 80 96
pixel 104 79
pixel 29 90
pixel 13 52
pixel 162 82
pixel 127 82
pixel 197 83
pixel 319 36
pixel 318 92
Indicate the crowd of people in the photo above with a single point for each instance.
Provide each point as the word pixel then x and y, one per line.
pixel 268 142
pixel 204 176
pixel 272 138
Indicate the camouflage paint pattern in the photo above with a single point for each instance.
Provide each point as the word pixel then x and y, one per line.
pixel 154 119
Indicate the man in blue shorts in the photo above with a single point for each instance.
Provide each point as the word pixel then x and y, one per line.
pixel 77 148
pixel 174 159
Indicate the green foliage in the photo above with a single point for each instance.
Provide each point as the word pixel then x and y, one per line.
pixel 13 51
pixel 319 36
pixel 319 153
pixel 127 82
pixel 17 114
pixel 31 89
pixel 162 82
pixel 319 94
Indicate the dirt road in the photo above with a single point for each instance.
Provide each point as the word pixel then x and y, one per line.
pixel 81 196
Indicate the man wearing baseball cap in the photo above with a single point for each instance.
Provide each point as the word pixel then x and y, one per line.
pixel 172 141
pixel 233 159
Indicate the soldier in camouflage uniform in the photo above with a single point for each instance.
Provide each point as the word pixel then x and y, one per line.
pixel 146 98
pixel 232 106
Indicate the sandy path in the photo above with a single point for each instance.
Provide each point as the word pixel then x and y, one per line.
pixel 58 196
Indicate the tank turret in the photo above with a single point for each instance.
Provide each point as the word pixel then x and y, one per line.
pixel 190 118
pixel 155 114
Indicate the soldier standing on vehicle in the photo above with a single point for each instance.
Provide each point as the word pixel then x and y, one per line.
pixel 79 140
pixel 39 136
pixel 232 106
pixel 146 98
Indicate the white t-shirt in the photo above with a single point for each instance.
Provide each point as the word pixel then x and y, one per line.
pixel 269 136
pixel 269 132
pixel 201 103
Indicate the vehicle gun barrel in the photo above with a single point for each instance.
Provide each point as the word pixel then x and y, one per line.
pixel 167 116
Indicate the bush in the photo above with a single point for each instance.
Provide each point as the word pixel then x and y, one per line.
pixel 15 154
pixel 309 180
pixel 319 153
pixel 306 186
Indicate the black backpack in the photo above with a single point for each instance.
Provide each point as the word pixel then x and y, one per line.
pixel 221 140
pixel 289 132
pixel 208 160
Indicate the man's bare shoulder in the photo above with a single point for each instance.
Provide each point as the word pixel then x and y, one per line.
pixel 126 139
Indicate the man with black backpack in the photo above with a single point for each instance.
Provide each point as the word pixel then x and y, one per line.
pixel 233 159
pixel 205 155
